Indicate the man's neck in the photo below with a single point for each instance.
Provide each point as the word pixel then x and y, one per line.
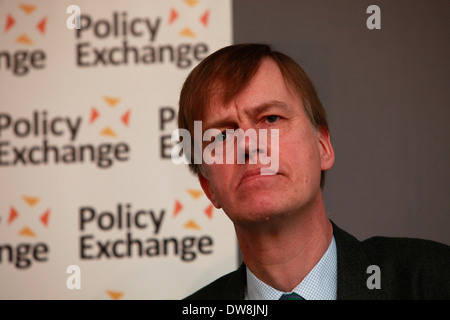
pixel 282 253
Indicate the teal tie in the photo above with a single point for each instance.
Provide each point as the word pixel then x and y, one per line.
pixel 291 296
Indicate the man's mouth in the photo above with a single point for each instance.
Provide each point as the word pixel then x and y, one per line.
pixel 253 174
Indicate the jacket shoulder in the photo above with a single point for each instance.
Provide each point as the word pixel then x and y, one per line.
pixel 228 287
pixel 411 268
pixel 405 247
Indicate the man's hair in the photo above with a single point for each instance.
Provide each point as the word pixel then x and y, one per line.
pixel 226 72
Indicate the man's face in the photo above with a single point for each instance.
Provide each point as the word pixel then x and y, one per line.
pixel 268 102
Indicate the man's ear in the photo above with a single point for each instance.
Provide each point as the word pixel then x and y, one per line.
pixel 206 186
pixel 325 149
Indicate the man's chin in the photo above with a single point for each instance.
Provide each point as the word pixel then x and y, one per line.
pixel 259 210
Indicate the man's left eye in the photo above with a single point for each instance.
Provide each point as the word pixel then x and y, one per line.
pixel 272 118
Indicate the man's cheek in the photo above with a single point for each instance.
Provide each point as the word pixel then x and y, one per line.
pixel 216 198
pixel 272 157
pixel 216 188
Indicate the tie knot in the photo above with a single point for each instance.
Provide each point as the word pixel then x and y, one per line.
pixel 291 296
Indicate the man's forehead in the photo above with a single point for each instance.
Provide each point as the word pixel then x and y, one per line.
pixel 267 89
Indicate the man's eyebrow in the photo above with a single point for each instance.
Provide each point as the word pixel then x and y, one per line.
pixel 265 106
pixel 221 123
pixel 230 122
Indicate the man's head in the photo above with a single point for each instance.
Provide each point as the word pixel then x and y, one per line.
pixel 250 86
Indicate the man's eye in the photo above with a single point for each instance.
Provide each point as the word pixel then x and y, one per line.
pixel 272 118
pixel 221 137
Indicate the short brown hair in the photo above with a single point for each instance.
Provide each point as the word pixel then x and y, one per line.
pixel 232 68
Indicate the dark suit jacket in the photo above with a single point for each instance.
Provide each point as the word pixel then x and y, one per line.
pixel 409 269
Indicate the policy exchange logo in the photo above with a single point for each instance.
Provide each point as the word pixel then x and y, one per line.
pixel 28 223
pixel 122 38
pixel 61 137
pixel 191 211
pixel 24 26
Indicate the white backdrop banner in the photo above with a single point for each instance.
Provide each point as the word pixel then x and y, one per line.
pixel 92 207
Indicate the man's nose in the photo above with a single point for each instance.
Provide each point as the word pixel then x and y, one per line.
pixel 248 146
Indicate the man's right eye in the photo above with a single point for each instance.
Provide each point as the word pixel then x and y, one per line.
pixel 221 137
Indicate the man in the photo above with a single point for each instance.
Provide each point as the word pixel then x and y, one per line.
pixel 291 250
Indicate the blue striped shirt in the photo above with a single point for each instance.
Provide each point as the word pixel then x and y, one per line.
pixel 319 284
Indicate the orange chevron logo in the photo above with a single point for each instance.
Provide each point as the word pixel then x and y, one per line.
pixel 27 8
pixel 114 295
pixel 14 215
pixel 13 20
pixel 10 22
pixel 110 103
pixel 192 224
pixel 188 31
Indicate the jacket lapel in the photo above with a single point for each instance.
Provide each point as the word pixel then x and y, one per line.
pixel 352 267
pixel 237 284
pixel 352 264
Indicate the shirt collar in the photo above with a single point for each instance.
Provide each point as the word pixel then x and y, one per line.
pixel 319 284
